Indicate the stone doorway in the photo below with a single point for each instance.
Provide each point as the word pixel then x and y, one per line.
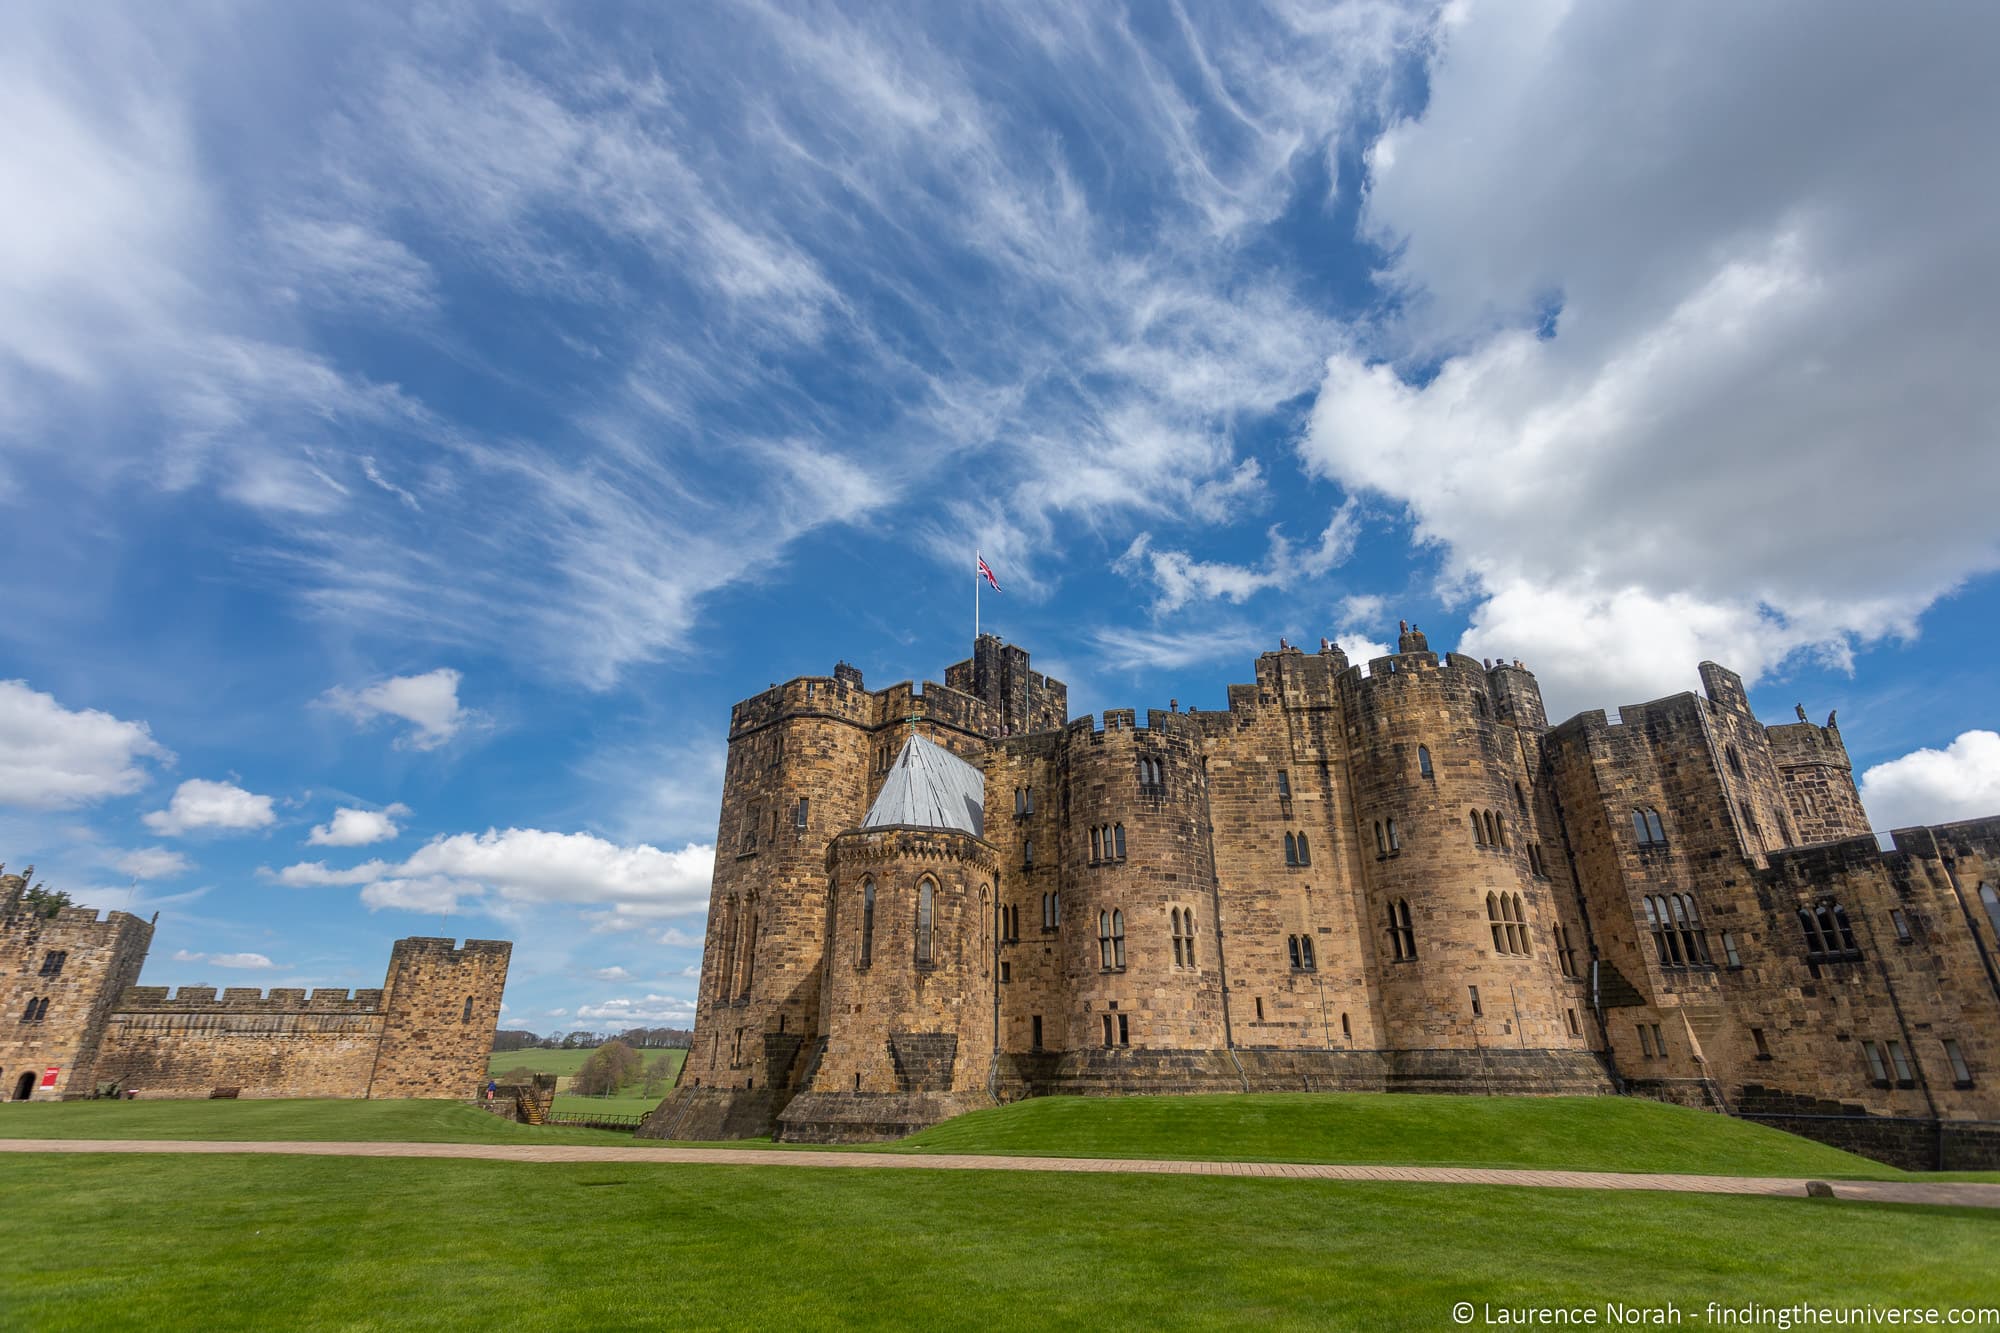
pixel 24 1087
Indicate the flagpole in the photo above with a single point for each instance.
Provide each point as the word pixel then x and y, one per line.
pixel 976 557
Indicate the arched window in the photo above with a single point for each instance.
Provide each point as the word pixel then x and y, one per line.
pixel 1104 940
pixel 1521 920
pixel 1292 944
pixel 1028 854
pixel 867 921
pixel 1187 924
pixel 1395 843
pixel 1478 830
pixel 1117 938
pixel 1031 800
pixel 1424 761
pixel 1120 831
pixel 1492 830
pixel 1814 944
pixel 1494 924
pixel 1658 927
pixel 1989 898
pixel 1291 850
pixel 1096 844
pixel 1500 828
pixel 1639 832
pixel 1381 843
pixel 1306 948
pixel 1402 939
pixel 1305 852
pixel 1655 828
pixel 1020 801
pixel 465 1015
pixel 1689 924
pixel 1048 911
pixel 926 921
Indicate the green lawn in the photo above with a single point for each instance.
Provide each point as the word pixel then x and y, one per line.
pixel 340 1121
pixel 1587 1133
pixel 631 1100
pixel 1580 1133
pixel 307 1243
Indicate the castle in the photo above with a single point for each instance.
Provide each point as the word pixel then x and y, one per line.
pixel 75 1022
pixel 1396 877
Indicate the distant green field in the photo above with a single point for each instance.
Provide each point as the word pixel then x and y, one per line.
pixel 296 1243
pixel 630 1100
pixel 1578 1133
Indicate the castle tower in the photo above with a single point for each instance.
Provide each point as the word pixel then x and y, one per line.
pixel 440 1007
pixel 910 1009
pixel 1817 780
pixel 1139 964
pixel 1463 926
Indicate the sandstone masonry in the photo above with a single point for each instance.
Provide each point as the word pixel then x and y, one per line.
pixel 69 1002
pixel 1390 877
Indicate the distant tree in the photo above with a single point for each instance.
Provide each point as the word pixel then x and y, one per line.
pixel 44 901
pixel 609 1068
pixel 658 1075
pixel 514 1039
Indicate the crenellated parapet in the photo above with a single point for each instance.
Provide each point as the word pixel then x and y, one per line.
pixel 249 1000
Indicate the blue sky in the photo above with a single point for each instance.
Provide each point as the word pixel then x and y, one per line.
pixel 418 426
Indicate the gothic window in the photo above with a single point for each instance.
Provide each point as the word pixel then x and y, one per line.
pixel 750 946
pixel 1292 944
pixel 1476 1010
pixel 1028 854
pixel 1565 951
pixel 1306 948
pixel 1479 703
pixel 867 921
pixel 1031 799
pixel 1395 843
pixel 1646 825
pixel 1124 1031
pixel 1120 832
pixel 1897 1057
pixel 1182 920
pixel 1402 938
pixel 1499 829
pixel 1493 831
pixel 1096 845
pixel 1424 761
pixel 1291 850
pixel 1104 943
pixel 1118 939
pixel 1827 929
pixel 1508 923
pixel 926 922
pixel 1645 1040
pixel 1305 852
pixel 799 819
pixel 1020 801
pixel 1478 830
pixel 1694 940
pixel 1662 932
pixel 1534 858
pixel 52 963
pixel 1729 952
pixel 1107 1031
pixel 1381 843
pixel 1284 785
pixel 465 1016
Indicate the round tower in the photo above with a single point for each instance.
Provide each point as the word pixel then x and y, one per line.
pixel 1461 924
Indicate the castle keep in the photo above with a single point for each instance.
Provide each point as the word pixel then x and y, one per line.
pixel 1387 877
pixel 73 1019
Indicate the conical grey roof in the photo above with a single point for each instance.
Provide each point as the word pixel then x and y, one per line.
pixel 931 787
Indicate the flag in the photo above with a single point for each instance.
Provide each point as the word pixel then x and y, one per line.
pixel 987 570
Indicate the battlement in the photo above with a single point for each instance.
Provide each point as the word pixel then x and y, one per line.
pixel 1794 743
pixel 248 1000
pixel 448 950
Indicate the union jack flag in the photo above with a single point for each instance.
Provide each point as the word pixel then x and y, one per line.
pixel 987 570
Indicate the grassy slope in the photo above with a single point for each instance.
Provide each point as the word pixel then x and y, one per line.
pixel 1582 1133
pixel 629 1101
pixel 302 1243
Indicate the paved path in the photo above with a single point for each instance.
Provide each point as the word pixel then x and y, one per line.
pixel 1960 1193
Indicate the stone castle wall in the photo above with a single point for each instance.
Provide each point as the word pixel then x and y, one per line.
pixel 425 1033
pixel 1395 876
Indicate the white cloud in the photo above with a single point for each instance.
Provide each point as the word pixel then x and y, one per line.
pixel 675 937
pixel 611 974
pixel 1961 781
pixel 661 1009
pixel 200 804
pixel 1703 331
pixel 1182 579
pixel 358 828
pixel 1121 649
pixel 521 867
pixel 429 702
pixel 152 863
pixel 255 962
pixel 52 758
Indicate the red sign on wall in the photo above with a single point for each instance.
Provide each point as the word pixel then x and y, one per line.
pixel 49 1075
